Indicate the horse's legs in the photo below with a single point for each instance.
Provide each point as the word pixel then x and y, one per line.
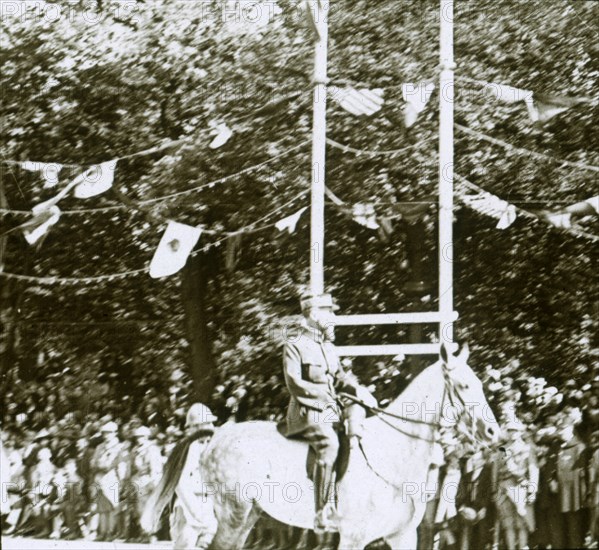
pixel 234 525
pixel 406 540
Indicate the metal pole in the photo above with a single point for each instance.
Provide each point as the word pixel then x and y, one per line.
pixel 318 150
pixel 446 98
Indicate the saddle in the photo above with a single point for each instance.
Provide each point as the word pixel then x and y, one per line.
pixel 342 461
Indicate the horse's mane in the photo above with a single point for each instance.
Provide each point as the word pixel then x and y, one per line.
pixel 423 377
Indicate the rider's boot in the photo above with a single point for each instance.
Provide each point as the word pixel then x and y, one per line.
pixel 325 525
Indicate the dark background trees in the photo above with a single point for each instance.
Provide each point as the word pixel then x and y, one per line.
pixel 103 81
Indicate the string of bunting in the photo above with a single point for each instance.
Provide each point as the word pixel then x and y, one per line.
pixel 541 107
pixel 173 253
pixel 506 213
pixel 540 156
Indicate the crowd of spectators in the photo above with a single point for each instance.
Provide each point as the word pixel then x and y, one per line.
pixel 83 461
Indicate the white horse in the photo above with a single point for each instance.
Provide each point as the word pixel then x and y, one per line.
pixel 249 468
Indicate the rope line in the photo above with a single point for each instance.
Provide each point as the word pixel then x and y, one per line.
pixel 522 150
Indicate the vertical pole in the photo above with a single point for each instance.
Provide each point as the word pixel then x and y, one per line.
pixel 446 98
pixel 318 149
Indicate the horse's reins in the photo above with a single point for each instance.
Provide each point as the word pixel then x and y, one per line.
pixel 447 393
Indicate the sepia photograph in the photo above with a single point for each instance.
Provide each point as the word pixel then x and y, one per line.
pixel 299 274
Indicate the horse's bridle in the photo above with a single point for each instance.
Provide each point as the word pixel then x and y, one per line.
pixel 450 393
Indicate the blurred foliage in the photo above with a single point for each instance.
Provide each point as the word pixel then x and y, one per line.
pixel 106 79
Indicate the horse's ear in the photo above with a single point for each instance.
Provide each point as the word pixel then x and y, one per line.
pixel 464 352
pixel 443 353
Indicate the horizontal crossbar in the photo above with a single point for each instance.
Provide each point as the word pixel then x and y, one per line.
pixel 393 349
pixel 395 318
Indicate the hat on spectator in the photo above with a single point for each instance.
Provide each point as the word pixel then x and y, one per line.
pixel 109 427
pixel 310 300
pixel 200 417
pixel 142 431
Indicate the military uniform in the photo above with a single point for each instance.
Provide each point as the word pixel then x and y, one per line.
pixel 314 376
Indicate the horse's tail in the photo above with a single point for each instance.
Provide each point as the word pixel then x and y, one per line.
pixel 163 494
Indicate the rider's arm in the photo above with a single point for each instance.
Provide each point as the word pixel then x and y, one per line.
pixel 309 394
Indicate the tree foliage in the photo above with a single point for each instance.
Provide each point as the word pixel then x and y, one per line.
pixel 104 80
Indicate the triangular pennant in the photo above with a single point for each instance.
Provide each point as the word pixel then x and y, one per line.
pixel 95 180
pixel 507 94
pixel 542 107
pixel 358 102
pixel 493 206
pixel 416 97
pixel 223 134
pixel 174 248
pixel 38 226
pixel 594 202
pixel 364 214
pixel 508 217
pixel 290 222
pixel 563 220
pixel 49 170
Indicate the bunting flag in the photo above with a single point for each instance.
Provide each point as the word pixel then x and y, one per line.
pixel 364 214
pixel 223 134
pixel 358 102
pixel 416 97
pixel 49 171
pixel 95 180
pixel 493 206
pixel 174 248
pixel 289 223
pixel 563 220
pixel 594 202
pixel 542 107
pixel 508 94
pixel 39 225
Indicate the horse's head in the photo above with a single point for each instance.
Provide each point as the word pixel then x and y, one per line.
pixel 466 396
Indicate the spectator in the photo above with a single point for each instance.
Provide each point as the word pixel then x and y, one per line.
pixel 106 477
pixel 517 479
pixel 571 485
pixel 146 471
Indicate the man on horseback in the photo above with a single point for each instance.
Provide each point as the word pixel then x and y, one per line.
pixel 313 375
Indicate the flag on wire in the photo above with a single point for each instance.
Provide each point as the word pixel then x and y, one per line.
pixel 174 248
pixel 563 220
pixel 49 171
pixel 358 102
pixel 290 222
pixel 594 202
pixel 542 107
pixel 39 225
pixel 223 134
pixel 493 206
pixel 364 214
pixel 416 97
pixel 95 180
